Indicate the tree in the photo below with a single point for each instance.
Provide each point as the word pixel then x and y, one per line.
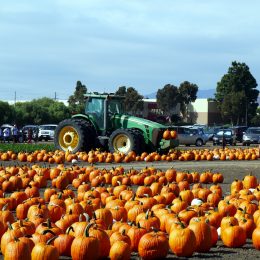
pixel 236 94
pixel 187 94
pixel 121 91
pixel 167 99
pixel 6 113
pixel 40 111
pixel 133 100
pixel 77 101
pixel 255 121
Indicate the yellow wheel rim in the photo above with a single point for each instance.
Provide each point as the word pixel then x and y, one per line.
pixel 68 138
pixel 122 143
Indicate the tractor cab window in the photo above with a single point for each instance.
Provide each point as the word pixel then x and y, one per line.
pixel 115 106
pixel 95 108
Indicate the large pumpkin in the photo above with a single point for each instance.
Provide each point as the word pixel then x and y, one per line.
pixel 85 247
pixel 233 236
pixel 182 241
pixel 153 245
pixel 203 235
pixel 256 238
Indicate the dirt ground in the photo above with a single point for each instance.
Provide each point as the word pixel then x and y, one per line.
pixel 231 170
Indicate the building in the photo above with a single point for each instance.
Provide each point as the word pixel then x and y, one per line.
pixel 202 111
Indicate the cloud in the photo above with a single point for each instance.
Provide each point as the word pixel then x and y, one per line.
pixel 105 44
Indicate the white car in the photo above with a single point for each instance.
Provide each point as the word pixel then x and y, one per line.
pixel 46 132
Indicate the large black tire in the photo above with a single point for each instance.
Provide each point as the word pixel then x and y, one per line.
pixel 124 141
pixel 89 128
pixel 140 137
pixel 73 135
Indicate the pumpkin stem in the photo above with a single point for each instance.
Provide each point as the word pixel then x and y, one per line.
pixel 9 225
pixel 48 223
pixel 86 232
pixel 147 214
pixel 154 229
pixel 5 207
pixel 16 239
pixel 50 240
pixel 70 228
pixel 86 215
pixel 44 232
pixel 181 224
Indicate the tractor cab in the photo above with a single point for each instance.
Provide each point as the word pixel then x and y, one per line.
pixel 100 108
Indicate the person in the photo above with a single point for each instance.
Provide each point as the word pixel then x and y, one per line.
pixel 223 141
pixel 29 135
pixel 36 134
pixel 15 133
pixel 6 134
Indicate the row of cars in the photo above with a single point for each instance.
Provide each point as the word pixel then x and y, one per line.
pixel 237 134
pixel 32 132
pixel 200 135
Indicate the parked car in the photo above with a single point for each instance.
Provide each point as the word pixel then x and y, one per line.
pixel 46 132
pixel 227 135
pixel 239 130
pixel 25 132
pixel 191 136
pixel 251 136
pixel 19 137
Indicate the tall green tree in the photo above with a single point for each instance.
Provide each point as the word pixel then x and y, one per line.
pixel 133 100
pixel 236 94
pixel 256 119
pixel 7 113
pixel 167 99
pixel 77 101
pixel 187 94
pixel 121 91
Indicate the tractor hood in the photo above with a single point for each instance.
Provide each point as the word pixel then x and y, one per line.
pixel 127 121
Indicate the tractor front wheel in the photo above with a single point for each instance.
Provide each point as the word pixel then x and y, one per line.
pixel 123 141
pixel 73 135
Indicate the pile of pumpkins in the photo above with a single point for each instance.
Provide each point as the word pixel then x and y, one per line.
pixel 92 213
pixel 98 156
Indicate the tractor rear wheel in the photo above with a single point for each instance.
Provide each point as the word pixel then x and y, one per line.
pixel 123 141
pixel 73 135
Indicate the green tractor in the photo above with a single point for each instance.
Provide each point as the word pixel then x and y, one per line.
pixel 105 124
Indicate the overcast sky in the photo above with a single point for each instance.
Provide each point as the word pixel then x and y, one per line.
pixel 46 46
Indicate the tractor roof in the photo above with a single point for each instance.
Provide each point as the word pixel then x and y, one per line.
pixel 103 95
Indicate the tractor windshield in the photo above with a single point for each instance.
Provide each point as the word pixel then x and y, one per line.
pixel 95 108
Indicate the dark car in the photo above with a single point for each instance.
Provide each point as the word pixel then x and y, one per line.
pixel 34 131
pixel 211 132
pixel 225 136
pixel 239 131
pixel 251 136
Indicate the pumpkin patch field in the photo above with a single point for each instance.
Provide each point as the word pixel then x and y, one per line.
pixel 56 205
